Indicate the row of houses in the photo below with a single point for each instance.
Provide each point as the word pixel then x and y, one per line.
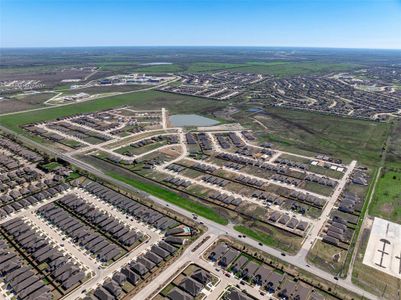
pixel 321 180
pixel 51 136
pixel 204 168
pixel 107 224
pixel 59 267
pixel 340 227
pixel 77 131
pixel 215 180
pixel 20 278
pixel 20 150
pixel 225 199
pixel 255 272
pixel 8 163
pixel 17 178
pixel 81 233
pixel 251 162
pixel 15 204
pixel 174 231
pixel 248 135
pixel 177 181
pixel 249 181
pixel 134 272
pixel 175 168
pixel 287 222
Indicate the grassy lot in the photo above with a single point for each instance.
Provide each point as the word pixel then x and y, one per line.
pixel 140 100
pixel 386 201
pixel 324 256
pixel 173 198
pixel 52 166
pixel 274 238
pixel 310 133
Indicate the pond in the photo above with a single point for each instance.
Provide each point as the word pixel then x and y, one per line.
pixel 255 109
pixel 156 63
pixel 191 120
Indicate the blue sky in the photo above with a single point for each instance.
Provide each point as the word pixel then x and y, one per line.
pixel 303 23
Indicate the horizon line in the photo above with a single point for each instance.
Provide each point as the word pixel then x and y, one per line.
pixel 198 46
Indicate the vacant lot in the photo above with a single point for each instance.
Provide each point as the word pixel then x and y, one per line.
pixel 23 102
pixel 271 236
pixel 327 257
pixel 311 133
pixel 387 198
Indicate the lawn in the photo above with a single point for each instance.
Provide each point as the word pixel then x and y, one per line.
pixel 386 201
pixel 173 198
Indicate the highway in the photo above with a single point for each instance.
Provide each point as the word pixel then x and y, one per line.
pixel 213 228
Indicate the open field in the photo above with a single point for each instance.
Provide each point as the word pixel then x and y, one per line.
pixel 278 68
pixel 23 102
pixel 284 68
pixel 306 132
pixel 167 68
pixel 387 198
pixel 140 100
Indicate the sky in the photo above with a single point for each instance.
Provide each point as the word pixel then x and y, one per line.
pixel 298 23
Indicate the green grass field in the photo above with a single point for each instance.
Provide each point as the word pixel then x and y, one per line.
pixel 284 68
pixel 393 158
pixel 211 66
pixel 386 201
pixel 171 68
pixel 173 198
